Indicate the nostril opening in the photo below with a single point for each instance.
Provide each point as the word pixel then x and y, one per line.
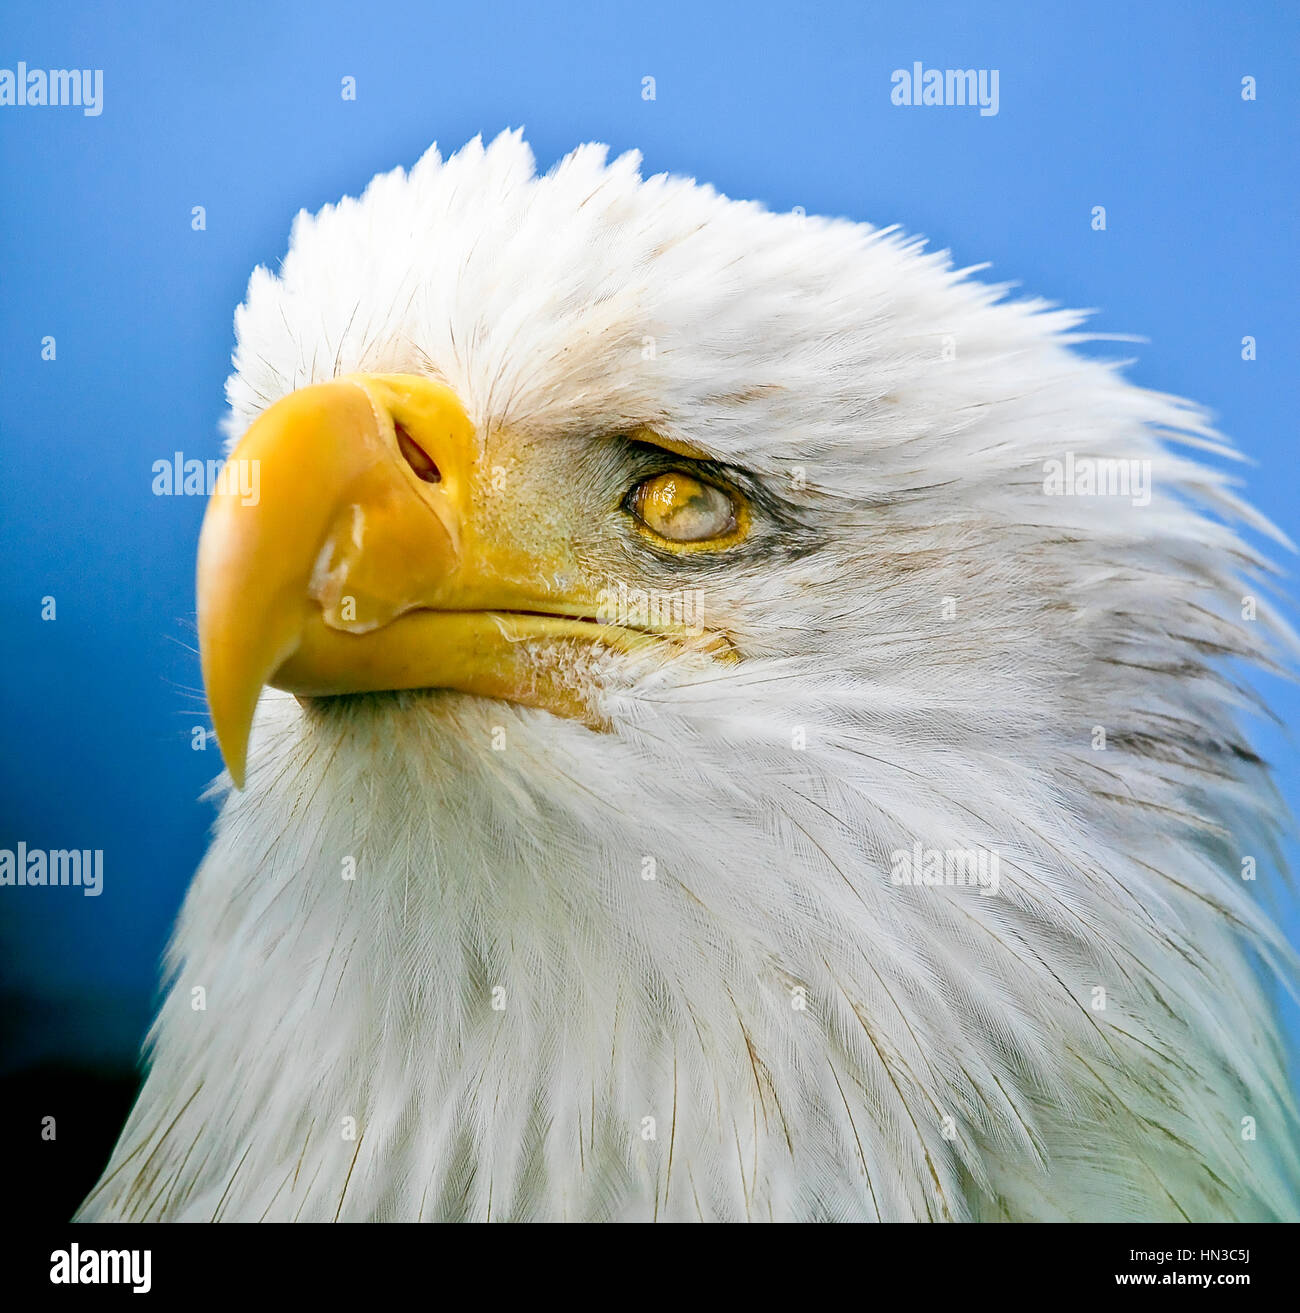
pixel 416 456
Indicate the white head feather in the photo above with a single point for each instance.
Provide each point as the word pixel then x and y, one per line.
pixel 951 1060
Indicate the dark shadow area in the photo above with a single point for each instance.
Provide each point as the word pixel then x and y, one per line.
pixel 51 1177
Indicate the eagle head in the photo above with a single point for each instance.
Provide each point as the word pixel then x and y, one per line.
pixel 728 719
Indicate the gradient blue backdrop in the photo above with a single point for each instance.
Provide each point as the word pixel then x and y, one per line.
pixel 237 108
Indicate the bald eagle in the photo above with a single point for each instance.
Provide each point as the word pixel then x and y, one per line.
pixel 727 717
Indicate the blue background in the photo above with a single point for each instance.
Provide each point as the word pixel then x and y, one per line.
pixel 238 108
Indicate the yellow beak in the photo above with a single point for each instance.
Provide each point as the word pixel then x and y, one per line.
pixel 344 552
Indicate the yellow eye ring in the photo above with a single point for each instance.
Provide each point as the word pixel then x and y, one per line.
pixel 687 513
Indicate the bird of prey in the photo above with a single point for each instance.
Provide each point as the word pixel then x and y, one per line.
pixel 727 717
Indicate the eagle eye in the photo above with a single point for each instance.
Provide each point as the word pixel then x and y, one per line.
pixel 682 509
